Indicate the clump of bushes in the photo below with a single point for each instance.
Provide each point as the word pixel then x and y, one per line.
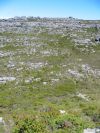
pixel 29 124
pixel 50 120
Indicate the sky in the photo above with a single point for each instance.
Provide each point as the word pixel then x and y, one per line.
pixel 82 9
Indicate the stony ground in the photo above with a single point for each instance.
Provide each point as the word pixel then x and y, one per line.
pixel 50 65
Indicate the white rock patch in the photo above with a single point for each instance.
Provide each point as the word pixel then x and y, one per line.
pixel 89 130
pixel 44 83
pixel 37 65
pixel 54 80
pixel 75 73
pixel 83 96
pixel 5 79
pixel 62 111
pixel 2 120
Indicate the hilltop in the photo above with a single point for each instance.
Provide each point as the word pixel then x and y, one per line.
pixel 49 75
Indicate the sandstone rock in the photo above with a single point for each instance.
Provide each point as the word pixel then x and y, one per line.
pixel 5 79
pixel 97 39
pixel 62 111
pixel 83 96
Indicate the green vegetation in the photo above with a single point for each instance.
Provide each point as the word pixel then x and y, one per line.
pixel 93 30
pixel 50 120
pixel 44 86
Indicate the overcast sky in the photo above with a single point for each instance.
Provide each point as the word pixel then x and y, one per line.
pixel 84 9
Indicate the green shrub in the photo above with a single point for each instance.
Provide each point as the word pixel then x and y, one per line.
pixel 29 124
pixel 50 120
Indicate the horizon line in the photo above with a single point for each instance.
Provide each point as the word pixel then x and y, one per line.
pixel 46 17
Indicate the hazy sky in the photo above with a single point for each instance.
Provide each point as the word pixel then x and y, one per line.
pixel 85 9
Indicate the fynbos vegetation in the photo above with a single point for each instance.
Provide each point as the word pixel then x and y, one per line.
pixel 49 75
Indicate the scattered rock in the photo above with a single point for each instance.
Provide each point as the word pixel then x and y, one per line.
pixel 11 65
pixel 19 69
pixel 62 111
pixel 44 83
pixel 75 73
pixel 86 67
pixel 1 120
pixel 89 130
pixel 97 39
pixel 28 80
pixel 82 41
pixel 54 80
pixel 83 96
pixel 37 79
pixel 5 54
pixel 5 79
pixel 37 65
pixel 88 70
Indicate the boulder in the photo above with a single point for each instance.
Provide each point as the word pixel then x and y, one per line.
pixel 97 39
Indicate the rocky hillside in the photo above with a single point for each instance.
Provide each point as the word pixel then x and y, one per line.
pixel 49 75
